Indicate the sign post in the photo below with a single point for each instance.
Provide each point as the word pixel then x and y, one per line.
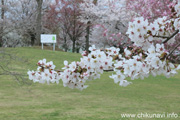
pixel 42 46
pixel 54 38
pixel 48 38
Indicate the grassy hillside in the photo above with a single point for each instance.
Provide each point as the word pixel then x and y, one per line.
pixel 101 100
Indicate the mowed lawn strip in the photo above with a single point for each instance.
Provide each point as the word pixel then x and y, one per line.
pixel 102 100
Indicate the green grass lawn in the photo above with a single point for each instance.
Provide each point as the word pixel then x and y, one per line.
pixel 102 100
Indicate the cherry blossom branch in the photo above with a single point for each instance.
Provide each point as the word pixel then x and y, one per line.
pixel 173 50
pixel 63 71
pixel 108 70
pixel 161 36
pixel 91 67
pixel 176 32
pixel 49 68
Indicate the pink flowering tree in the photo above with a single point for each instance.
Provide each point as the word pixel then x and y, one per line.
pixel 150 9
pixel 147 56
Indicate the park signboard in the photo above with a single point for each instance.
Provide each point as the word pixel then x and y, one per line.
pixel 48 38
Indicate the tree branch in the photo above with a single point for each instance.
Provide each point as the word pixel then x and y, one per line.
pixel 161 36
pixel 173 50
pixel 176 32
pixel 108 70
pixel 10 73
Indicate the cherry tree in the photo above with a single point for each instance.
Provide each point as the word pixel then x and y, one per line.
pixel 145 57
pixel 65 14
pixel 150 9
pixel 108 20
pixel 19 23
pixel 26 15
pixel 2 18
pixel 108 35
pixel 6 24
pixel 104 11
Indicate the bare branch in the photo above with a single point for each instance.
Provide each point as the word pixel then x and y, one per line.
pixel 15 75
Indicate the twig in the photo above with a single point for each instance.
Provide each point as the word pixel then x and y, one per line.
pixel 176 32
pixel 161 36
pixel 108 70
pixel 10 73
pixel 173 50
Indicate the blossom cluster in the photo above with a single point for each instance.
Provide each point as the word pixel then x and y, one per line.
pixel 143 33
pixel 140 66
pixel 45 73
pixel 76 74
pixel 90 67
pixel 177 8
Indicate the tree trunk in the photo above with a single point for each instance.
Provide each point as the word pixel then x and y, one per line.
pixel 74 43
pixel 32 39
pixel 65 44
pixel 1 29
pixel 77 50
pixel 38 21
pixel 87 35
